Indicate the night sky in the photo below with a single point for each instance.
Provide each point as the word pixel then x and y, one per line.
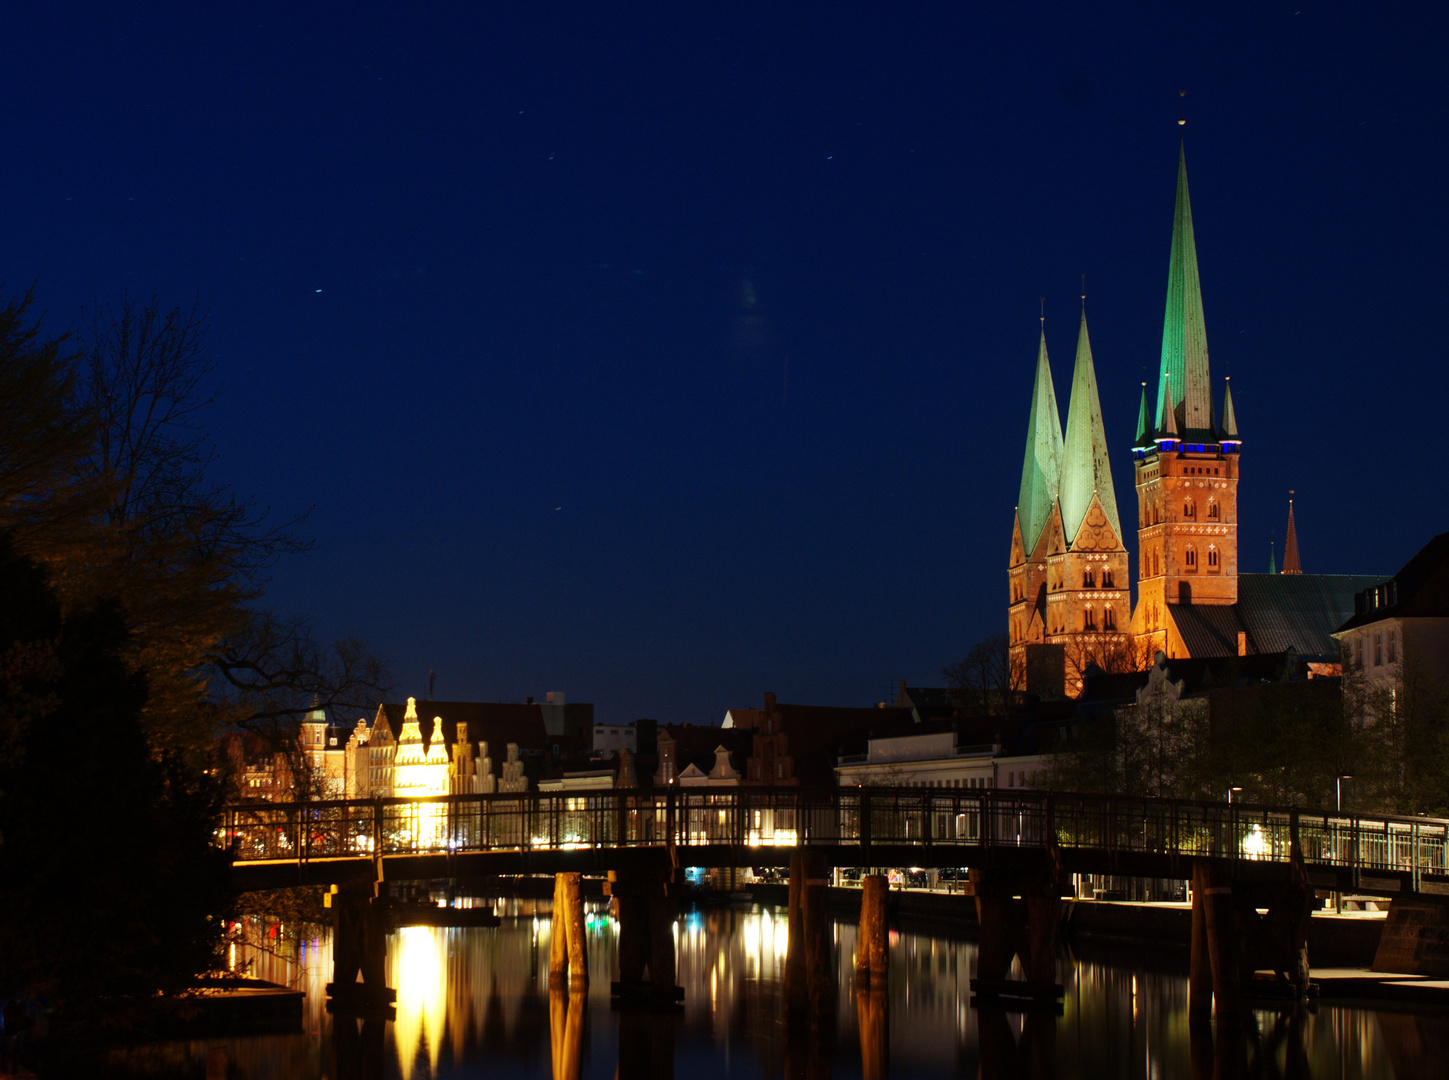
pixel 667 357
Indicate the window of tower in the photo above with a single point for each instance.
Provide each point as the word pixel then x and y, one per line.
pixel 1107 577
pixel 1089 619
pixel 1189 559
pixel 1212 557
pixel 1089 579
pixel 1213 509
pixel 1189 509
pixel 1109 619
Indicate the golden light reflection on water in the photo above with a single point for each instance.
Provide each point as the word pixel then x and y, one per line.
pixel 418 969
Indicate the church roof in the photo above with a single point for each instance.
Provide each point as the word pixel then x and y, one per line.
pixel 1184 334
pixel 1085 468
pixel 1041 471
pixel 1278 612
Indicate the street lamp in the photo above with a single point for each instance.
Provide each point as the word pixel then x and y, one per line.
pixel 1230 794
pixel 1338 789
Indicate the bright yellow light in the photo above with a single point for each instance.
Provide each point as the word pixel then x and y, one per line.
pixel 1255 844
pixel 421 976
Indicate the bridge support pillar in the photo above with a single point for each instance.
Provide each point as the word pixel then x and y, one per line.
pixel 1020 913
pixel 647 902
pixel 359 951
pixel 568 959
pixel 872 933
pixel 1231 941
pixel 809 974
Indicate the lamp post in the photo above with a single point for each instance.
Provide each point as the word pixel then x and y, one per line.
pixel 1338 789
pixel 1230 794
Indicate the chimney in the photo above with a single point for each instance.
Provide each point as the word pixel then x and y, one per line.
pixel 1242 643
pixel 769 702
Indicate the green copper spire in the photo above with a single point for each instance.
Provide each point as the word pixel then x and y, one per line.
pixel 1085 469
pixel 1230 419
pixel 1184 335
pixel 1041 473
pixel 1272 558
pixel 1144 433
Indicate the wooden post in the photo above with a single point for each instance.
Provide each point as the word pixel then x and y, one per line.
pixel 646 902
pixel 1042 916
pixel 871 1020
pixel 796 982
pixel 568 958
pixel 871 954
pixel 1222 940
pixel 558 945
pixel 819 969
pixel 1200 971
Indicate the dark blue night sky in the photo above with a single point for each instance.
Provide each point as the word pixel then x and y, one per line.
pixel 667 357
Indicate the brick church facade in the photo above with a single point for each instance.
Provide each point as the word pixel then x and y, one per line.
pixel 1070 595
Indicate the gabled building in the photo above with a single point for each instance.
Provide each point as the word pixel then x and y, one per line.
pixel 1402 621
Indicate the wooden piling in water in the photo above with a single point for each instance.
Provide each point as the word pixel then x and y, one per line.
pixel 568 959
pixel 871 952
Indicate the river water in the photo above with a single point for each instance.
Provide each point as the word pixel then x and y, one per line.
pixel 476 1002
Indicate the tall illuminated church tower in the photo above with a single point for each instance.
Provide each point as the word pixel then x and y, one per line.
pixel 1186 463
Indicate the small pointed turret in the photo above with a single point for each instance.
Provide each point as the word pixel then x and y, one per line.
pixel 1166 416
pixel 1085 468
pixel 1272 558
pixel 1144 429
pixel 1230 419
pixel 1041 472
pixel 1290 546
pixel 1184 334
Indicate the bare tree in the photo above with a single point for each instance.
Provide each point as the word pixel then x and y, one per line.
pixel 183 553
pixel 985 681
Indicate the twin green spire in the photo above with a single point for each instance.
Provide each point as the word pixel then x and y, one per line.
pixel 1041 473
pixel 1071 470
pixel 1085 468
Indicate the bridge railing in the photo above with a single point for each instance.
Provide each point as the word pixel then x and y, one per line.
pixel 760 817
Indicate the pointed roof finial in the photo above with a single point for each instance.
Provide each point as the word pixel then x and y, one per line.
pixel 1291 565
pixel 1043 312
pixel 1181 119
pixel 1084 292
pixel 1142 427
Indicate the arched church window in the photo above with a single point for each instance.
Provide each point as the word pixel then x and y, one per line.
pixel 1089 619
pixel 1212 557
pixel 1189 558
pixel 1107 577
pixel 1213 509
pixel 1189 508
pixel 1109 619
pixel 1089 578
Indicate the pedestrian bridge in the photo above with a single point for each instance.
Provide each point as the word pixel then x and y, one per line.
pixel 323 842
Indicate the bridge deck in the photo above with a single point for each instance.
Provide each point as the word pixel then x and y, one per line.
pixel 534 832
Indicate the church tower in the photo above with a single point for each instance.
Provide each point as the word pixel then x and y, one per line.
pixel 1036 510
pixel 1088 596
pixel 1186 463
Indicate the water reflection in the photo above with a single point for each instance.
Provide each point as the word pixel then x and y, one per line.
pixel 478 999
